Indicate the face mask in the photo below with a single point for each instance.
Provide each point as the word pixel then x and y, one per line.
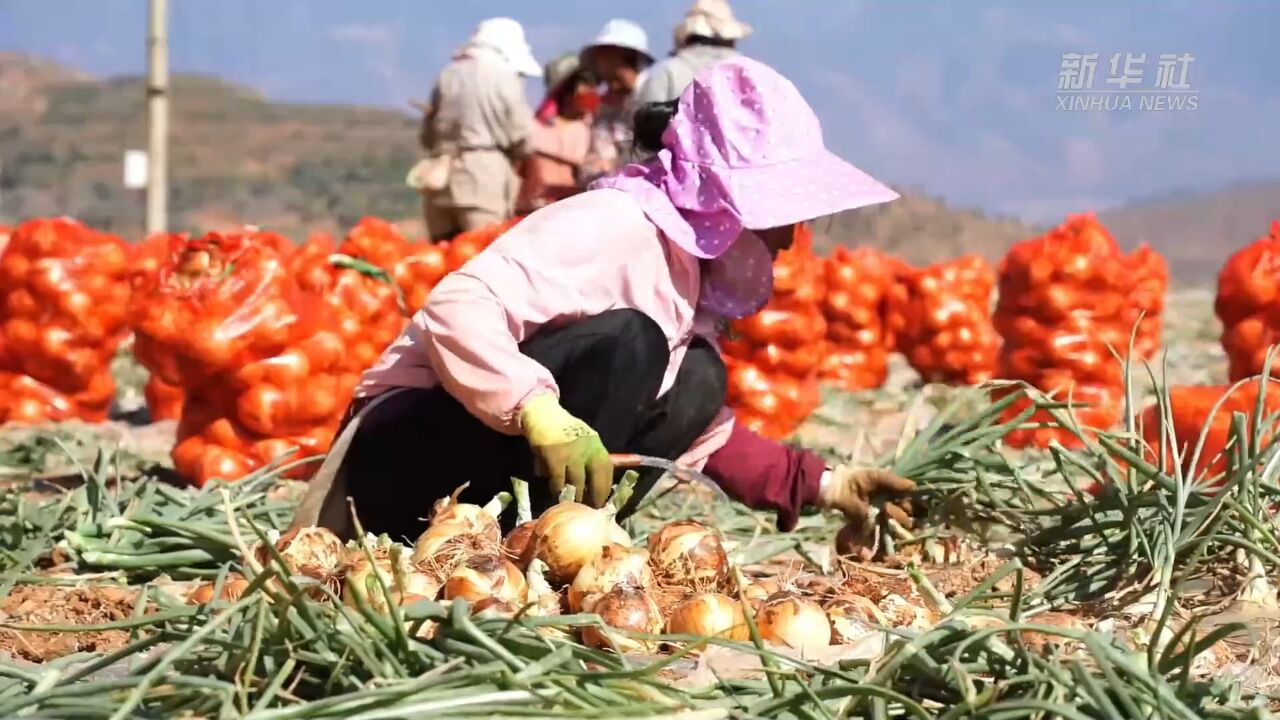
pixel 586 101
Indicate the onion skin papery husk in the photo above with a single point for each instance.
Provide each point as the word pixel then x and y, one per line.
pixel 472 516
pixel 442 546
pixel 852 618
pixel 233 588
pixel 760 590
pixel 624 608
pixel 689 554
pixel 519 544
pixel 485 576
pixel 793 621
pixel 709 615
pixel 570 535
pixel 616 565
pixel 311 552
pixel 495 607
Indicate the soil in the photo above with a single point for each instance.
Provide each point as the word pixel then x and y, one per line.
pixel 56 605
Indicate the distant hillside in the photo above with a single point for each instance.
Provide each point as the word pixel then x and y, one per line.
pixel 1196 232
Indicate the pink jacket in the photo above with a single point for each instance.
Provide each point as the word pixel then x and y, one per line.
pixel 577 258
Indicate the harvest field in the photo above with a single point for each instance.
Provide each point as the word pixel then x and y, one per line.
pixel 1017 593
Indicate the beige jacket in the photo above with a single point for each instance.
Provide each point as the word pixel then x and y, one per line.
pixel 479 113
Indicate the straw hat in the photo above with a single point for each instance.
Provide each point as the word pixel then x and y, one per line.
pixel 713 19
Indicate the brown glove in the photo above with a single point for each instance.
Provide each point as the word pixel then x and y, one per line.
pixel 852 490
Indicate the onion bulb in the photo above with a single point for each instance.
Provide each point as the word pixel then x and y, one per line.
pixel 624 608
pixel 760 590
pixel 416 585
pixel 793 621
pixel 689 553
pixel 444 545
pixel 233 588
pixel 519 544
pixel 312 552
pixel 616 564
pixel 361 582
pixel 495 607
pixel 852 617
pixel 570 535
pixel 472 516
pixel 483 576
pixel 710 615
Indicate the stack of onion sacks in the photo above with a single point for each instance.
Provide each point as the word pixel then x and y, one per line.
pixel 1064 308
pixel 857 353
pixel 940 318
pixel 260 362
pixel 63 293
pixel 1248 304
pixel 773 356
pixel 164 401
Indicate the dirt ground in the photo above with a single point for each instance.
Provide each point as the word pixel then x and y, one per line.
pixel 57 605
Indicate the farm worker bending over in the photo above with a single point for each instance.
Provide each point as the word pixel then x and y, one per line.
pixel 561 134
pixel 476 129
pixel 591 328
pixel 707 34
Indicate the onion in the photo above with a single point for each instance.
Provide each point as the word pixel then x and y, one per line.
pixel 483 576
pixel 444 545
pixel 689 553
pixel 233 588
pixel 361 582
pixel 519 545
pixel 312 552
pixel 417 585
pixel 616 564
pixel 793 621
pixel 495 607
pixel 760 590
pixel 472 516
pixel 710 615
pixel 852 618
pixel 624 608
pixel 570 535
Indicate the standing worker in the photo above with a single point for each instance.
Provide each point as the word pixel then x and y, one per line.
pixel 561 134
pixel 476 131
pixel 619 56
pixel 707 34
pixel 591 328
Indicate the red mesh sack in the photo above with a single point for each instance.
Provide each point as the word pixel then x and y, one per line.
pixel 1248 304
pixel 940 319
pixel 856 283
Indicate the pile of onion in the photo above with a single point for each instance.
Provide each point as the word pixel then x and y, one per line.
pixel 570 535
pixel 624 608
pixel 689 554
pixel 486 576
pixel 711 615
pixel 788 619
pixel 615 565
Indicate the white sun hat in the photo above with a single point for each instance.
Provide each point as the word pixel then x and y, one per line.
pixel 506 36
pixel 713 19
pixel 624 34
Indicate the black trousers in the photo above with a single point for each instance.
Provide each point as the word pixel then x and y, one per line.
pixel 421 445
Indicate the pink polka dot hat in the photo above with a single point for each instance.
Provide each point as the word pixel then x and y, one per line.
pixel 744 151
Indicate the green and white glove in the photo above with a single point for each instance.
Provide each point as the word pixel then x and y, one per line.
pixel 567 450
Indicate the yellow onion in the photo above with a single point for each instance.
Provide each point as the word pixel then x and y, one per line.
pixel 689 553
pixel 793 621
pixel 233 588
pixel 519 544
pixel 418 585
pixel 445 544
pixel 760 590
pixel 495 607
pixel 479 520
pixel 616 564
pixel 852 617
pixel 483 576
pixel 709 615
pixel 312 552
pixel 361 582
pixel 624 608
pixel 570 535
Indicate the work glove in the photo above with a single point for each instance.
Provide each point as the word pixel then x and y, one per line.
pixel 567 450
pixel 853 490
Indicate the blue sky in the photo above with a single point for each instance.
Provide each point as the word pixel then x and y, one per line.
pixel 955 98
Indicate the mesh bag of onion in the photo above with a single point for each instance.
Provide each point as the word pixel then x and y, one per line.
pixel 773 356
pixel 940 318
pixel 63 292
pixel 1065 307
pixel 857 283
pixel 260 361
pixel 1248 304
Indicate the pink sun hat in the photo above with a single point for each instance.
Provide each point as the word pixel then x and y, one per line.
pixel 744 151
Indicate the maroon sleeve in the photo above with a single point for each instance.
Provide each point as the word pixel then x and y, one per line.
pixel 767 475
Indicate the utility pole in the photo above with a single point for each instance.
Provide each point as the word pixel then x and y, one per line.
pixel 158 117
